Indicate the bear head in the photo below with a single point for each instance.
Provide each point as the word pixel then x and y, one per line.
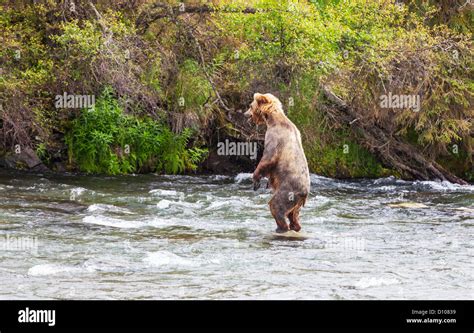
pixel 262 107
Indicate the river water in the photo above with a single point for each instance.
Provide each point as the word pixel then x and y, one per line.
pixel 210 237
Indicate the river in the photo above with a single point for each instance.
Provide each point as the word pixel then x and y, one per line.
pixel 211 237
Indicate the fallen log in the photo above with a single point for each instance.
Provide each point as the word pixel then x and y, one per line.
pixel 391 150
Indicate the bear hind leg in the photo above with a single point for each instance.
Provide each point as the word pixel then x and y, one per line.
pixel 294 217
pixel 278 213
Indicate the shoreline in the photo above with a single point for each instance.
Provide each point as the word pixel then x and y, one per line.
pixel 206 173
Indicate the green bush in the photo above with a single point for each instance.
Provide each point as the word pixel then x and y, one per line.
pixel 105 140
pixel 359 49
pixel 330 148
pixel 192 86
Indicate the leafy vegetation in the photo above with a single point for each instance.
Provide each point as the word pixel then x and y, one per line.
pixel 362 50
pixel 105 140
pixel 176 74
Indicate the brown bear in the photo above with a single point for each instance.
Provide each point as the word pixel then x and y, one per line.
pixel 283 161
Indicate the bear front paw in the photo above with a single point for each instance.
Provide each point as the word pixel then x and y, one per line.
pixel 256 184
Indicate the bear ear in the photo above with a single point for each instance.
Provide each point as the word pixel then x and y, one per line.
pixel 261 99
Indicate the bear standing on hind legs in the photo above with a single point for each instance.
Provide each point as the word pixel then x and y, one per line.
pixel 283 162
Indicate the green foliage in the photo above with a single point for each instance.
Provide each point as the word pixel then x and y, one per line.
pixel 330 149
pixel 27 68
pixel 458 159
pixel 105 140
pixel 42 152
pixel 192 86
pixel 152 77
pixel 344 159
pixel 281 36
pixel 176 157
pixel 85 41
pixel 390 49
pixel 359 48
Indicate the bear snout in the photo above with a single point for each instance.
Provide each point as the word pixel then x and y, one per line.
pixel 248 114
